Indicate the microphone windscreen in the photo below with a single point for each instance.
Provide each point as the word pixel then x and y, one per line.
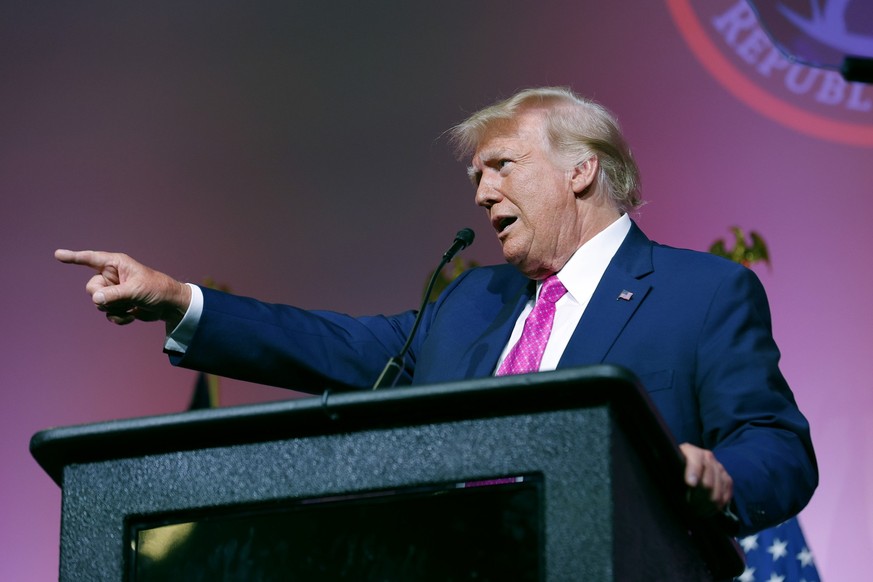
pixel 466 236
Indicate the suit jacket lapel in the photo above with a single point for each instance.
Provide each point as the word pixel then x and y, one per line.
pixel 617 297
pixel 481 358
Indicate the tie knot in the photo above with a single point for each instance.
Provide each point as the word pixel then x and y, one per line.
pixel 552 289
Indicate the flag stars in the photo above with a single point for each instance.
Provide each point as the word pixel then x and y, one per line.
pixel 805 557
pixel 749 543
pixel 772 555
pixel 778 549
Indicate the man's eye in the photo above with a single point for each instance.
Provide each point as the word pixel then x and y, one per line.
pixel 503 163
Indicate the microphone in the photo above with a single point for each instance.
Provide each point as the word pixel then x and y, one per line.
pixel 392 369
pixel 463 239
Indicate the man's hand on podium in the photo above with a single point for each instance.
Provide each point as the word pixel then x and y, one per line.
pixel 710 485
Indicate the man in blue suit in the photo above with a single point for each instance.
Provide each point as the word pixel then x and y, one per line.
pixel 557 180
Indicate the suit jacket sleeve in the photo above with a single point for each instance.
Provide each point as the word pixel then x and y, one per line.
pixel 288 347
pixel 748 414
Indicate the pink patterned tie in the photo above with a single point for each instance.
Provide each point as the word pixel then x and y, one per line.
pixel 526 355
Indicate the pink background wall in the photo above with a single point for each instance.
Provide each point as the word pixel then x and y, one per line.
pixel 293 150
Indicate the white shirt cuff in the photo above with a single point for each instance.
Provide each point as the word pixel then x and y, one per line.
pixel 180 338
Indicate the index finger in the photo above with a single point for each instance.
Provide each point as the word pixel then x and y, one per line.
pixel 94 259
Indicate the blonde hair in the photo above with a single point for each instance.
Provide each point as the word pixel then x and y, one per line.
pixel 577 128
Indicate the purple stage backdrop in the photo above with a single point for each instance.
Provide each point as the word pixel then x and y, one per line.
pixel 295 152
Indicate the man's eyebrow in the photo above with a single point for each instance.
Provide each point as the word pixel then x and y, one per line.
pixel 474 175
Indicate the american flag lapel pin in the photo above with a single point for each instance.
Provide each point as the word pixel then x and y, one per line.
pixel 625 295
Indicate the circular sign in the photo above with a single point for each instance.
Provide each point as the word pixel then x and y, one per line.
pixel 727 38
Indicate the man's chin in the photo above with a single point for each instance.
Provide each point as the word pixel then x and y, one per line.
pixel 513 259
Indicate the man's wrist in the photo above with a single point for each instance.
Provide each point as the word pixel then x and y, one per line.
pixel 179 305
pixel 179 336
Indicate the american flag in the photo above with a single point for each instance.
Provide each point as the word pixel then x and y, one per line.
pixel 778 554
pixel 626 295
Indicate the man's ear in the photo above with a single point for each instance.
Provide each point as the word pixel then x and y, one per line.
pixel 583 175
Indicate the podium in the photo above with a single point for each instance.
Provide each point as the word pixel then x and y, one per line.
pixel 557 476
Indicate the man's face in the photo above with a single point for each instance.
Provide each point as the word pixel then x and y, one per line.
pixel 530 195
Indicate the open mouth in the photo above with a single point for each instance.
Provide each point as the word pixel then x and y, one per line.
pixel 502 223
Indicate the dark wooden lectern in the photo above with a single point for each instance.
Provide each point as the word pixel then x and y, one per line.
pixel 558 476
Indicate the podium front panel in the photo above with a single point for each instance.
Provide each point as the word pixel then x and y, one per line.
pixel 569 449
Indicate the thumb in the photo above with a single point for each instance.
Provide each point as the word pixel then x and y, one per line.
pixel 99 297
pixel 692 464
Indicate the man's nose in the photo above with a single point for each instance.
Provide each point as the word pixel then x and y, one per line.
pixel 486 195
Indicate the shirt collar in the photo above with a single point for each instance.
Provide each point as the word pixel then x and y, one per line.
pixel 585 268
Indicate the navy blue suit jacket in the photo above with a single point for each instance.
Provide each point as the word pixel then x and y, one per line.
pixel 696 330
